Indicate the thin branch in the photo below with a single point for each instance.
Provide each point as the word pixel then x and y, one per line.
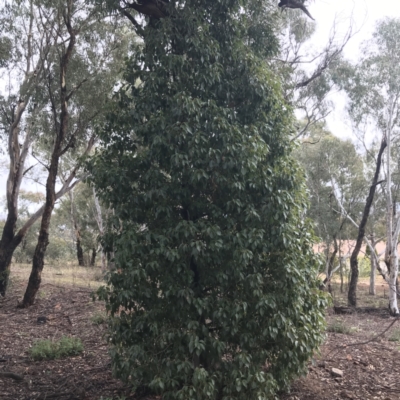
pixel 367 341
pixel 75 88
pixel 28 169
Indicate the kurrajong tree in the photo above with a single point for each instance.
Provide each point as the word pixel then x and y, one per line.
pixel 214 292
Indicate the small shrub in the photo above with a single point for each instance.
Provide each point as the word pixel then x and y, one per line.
pixel 339 327
pixel 98 318
pixel 395 336
pixel 50 350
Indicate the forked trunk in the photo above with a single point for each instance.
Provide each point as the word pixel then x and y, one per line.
pixel 35 277
pixel 43 240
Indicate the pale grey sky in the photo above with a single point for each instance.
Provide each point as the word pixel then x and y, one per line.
pixel 362 13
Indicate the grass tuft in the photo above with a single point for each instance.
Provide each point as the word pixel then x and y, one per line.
pixel 339 327
pixel 50 350
pixel 395 336
pixel 98 318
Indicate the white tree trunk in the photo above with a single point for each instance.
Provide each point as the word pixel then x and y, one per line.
pixel 392 284
pixel 391 257
pixel 99 220
pixel 372 290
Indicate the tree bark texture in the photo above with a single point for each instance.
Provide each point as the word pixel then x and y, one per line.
pixel 8 241
pixel 331 263
pixel 99 220
pixel 352 293
pixel 79 250
pixel 77 232
pixel 372 290
pixel 391 256
pixel 93 257
pixel 43 240
pixel 8 244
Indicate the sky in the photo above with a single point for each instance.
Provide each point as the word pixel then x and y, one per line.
pixel 362 14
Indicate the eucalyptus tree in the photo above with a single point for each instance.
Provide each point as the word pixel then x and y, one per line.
pixel 374 91
pixel 307 70
pixel 214 292
pixel 335 181
pixel 64 63
pixel 79 211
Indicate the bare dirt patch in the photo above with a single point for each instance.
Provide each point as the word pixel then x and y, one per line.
pixel 370 371
pixel 59 311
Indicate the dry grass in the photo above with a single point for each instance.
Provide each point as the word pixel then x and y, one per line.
pixel 363 297
pixel 62 274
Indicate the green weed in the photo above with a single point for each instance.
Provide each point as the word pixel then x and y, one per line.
pixel 50 350
pixel 395 336
pixel 339 327
pixel 98 318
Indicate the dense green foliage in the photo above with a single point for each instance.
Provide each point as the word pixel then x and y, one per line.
pixel 214 292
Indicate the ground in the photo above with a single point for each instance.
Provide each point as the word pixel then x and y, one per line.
pixel 370 371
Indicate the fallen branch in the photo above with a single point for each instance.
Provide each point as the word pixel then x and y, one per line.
pixel 7 374
pixel 362 310
pixel 367 341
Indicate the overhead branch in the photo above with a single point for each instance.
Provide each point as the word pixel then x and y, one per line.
pixel 152 8
pixel 68 185
pixel 28 169
pixel 75 88
pixel 331 53
pixel 139 30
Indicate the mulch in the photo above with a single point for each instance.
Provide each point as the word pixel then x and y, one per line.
pixel 370 371
pixel 63 312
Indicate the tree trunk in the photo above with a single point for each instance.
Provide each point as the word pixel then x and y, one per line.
pixel 93 257
pixel 372 277
pixel 79 250
pixel 77 232
pixel 99 220
pixel 17 155
pixel 43 240
pixel 341 277
pixel 331 263
pixel 8 244
pixel 398 287
pixel 9 241
pixel 391 256
pixel 352 293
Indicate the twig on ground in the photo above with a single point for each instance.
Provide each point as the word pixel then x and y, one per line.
pixel 367 341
